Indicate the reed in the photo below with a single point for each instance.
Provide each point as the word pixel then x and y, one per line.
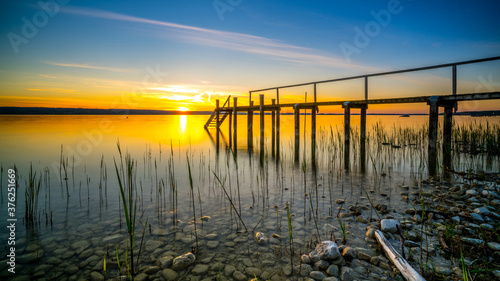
pixel 193 203
pixel 230 201
pixel 31 198
pixel 290 234
pixel 128 192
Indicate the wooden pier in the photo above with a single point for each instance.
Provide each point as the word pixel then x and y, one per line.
pixel 448 102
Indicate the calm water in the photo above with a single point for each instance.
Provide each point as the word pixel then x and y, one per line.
pixel 70 230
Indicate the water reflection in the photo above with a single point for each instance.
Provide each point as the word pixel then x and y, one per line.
pixel 182 123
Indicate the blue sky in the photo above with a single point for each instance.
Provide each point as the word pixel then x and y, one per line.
pixel 92 54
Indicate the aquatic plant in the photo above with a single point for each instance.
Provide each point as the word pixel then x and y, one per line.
pixel 230 201
pixel 128 192
pixel 193 204
pixel 31 198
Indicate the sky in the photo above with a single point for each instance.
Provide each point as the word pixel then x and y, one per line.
pixel 183 55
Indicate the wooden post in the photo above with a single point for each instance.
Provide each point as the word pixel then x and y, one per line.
pixel 347 134
pixel 235 126
pixel 363 138
pixel 297 133
pixel 230 115
pixel 313 132
pixel 217 113
pixel 273 130
pixel 433 133
pixel 217 133
pixel 250 127
pixel 447 126
pixel 278 126
pixel 261 100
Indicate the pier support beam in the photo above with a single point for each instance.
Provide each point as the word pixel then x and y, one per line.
pixel 250 127
pixel 235 125
pixel 261 104
pixel 313 134
pixel 297 132
pixel 362 141
pixel 217 118
pixel 347 134
pixel 230 115
pixel 273 130
pixel 447 126
pixel 433 134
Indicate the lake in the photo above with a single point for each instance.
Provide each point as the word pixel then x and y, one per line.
pixel 79 216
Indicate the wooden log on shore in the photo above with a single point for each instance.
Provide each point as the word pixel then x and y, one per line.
pixel 404 267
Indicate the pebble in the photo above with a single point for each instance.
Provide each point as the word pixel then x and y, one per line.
pixel 494 246
pixel 477 217
pixel 333 270
pixel 473 241
pixel 317 275
pixel 200 269
pixel 389 225
pixel 326 250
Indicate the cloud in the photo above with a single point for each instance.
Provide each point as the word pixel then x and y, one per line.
pixel 230 40
pixel 88 66
pixel 54 90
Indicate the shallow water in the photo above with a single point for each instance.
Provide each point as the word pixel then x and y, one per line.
pixel 70 230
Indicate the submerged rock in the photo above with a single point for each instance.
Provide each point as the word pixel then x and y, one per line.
pixel 183 261
pixel 261 238
pixel 389 225
pixel 326 250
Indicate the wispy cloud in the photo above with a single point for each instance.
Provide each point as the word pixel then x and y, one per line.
pixel 53 90
pixel 231 40
pixel 89 66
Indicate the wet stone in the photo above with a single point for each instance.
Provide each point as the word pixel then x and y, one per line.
pixel 494 246
pixel 305 259
pixel 212 244
pixel 165 262
pixel 229 270
pixel 389 225
pixel 253 271
pixel 141 277
pixel 183 261
pixel 477 217
pixel 96 276
pixel 321 265
pixel 211 236
pixel 169 274
pixel 349 253
pixel 151 269
pixel 152 245
pixel 200 269
pixel 326 250
pixel 239 276
pixel 333 270
pixel 317 275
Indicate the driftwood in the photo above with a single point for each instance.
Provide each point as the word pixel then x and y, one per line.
pixel 404 267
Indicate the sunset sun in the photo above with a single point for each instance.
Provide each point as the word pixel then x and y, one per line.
pixel 182 108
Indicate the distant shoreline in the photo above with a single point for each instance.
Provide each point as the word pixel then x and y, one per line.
pixel 95 111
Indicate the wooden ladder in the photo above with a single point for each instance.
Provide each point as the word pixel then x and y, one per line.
pixel 212 121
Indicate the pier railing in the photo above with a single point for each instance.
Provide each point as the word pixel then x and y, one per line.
pixel 366 77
